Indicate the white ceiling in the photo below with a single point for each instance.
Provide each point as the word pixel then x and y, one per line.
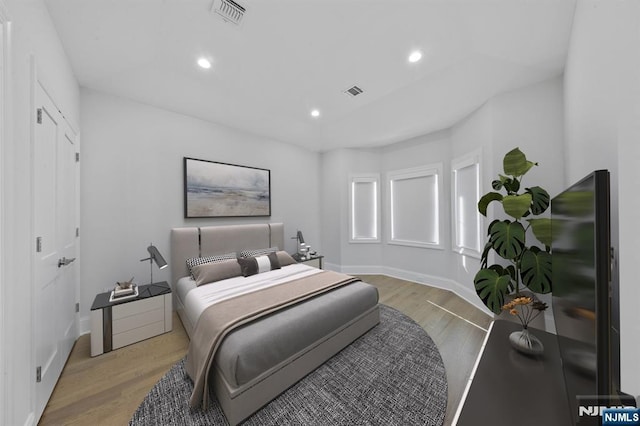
pixel 289 56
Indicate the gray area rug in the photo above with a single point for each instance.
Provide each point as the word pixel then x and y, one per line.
pixel 393 375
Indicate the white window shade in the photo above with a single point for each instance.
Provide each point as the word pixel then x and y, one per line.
pixel 415 206
pixel 364 208
pixel 466 221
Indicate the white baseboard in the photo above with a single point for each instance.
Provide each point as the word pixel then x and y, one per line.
pixel 85 326
pixel 30 420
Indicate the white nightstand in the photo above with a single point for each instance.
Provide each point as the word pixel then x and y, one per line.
pixel 121 323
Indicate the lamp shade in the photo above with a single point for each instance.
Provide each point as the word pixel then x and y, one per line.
pixel 157 257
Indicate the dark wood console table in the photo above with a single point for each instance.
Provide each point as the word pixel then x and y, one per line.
pixel 510 388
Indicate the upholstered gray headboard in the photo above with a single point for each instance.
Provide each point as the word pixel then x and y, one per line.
pixel 209 240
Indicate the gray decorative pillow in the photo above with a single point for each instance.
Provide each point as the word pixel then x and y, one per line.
pixel 285 258
pixel 216 271
pixel 256 265
pixel 195 261
pixel 258 252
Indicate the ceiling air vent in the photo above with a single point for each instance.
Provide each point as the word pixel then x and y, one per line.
pixel 229 10
pixel 353 91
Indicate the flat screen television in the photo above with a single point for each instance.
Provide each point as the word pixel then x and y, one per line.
pixel 585 291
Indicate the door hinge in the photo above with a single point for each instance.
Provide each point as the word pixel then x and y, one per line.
pixel 38 244
pixel 77 307
pixel 77 157
pixel 39 116
pixel 38 374
pixel 77 232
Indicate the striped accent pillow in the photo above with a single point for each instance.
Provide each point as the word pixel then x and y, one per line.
pixel 256 265
pixel 195 261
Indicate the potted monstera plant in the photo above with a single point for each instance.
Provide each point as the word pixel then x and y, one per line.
pixel 527 263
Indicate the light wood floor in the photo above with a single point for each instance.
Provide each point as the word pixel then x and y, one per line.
pixel 106 390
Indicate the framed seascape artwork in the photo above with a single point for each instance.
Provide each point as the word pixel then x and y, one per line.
pixel 213 189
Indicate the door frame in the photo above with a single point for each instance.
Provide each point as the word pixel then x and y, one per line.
pixel 5 138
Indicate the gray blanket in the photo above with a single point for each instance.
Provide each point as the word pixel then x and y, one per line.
pixel 221 318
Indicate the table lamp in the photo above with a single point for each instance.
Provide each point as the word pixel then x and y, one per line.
pixel 154 256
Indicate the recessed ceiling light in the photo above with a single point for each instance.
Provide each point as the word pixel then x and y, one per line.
pixel 415 56
pixel 204 63
pixel 315 113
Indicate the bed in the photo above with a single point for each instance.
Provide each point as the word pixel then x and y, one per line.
pixel 259 359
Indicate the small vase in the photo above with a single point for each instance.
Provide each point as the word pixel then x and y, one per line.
pixel 525 342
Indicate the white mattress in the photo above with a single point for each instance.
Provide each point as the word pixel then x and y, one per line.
pixel 196 299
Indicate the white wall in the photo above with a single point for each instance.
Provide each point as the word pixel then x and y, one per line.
pixel 531 118
pixel 33 37
pixel 5 134
pixel 334 187
pixel 332 206
pixel 472 133
pixel 132 185
pixel 427 265
pixel 602 96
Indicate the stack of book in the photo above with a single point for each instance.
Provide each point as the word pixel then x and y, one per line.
pixel 120 293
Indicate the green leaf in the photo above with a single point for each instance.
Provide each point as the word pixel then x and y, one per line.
pixel 497 185
pixel 535 270
pixel 539 200
pixel 515 163
pixel 507 238
pixel 541 228
pixel 492 285
pixel 486 199
pixel 512 272
pixel 484 258
pixel 485 254
pixel 516 205
pixel 512 185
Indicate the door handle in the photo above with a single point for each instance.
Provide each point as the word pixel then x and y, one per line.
pixel 64 261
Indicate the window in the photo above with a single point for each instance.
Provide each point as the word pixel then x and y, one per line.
pixel 466 221
pixel 414 196
pixel 364 208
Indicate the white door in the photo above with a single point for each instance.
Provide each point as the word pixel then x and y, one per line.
pixel 55 274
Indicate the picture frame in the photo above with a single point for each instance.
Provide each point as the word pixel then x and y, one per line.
pixel 214 189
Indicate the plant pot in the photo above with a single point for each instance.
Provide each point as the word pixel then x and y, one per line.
pixel 525 342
